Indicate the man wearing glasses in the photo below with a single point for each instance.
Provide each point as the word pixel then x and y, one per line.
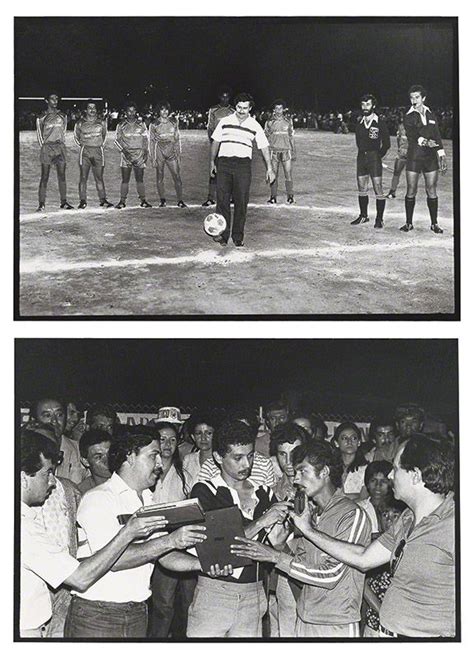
pixel 420 601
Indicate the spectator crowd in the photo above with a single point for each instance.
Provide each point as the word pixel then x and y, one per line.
pixel 367 550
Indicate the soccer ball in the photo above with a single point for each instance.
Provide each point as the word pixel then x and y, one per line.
pixel 214 224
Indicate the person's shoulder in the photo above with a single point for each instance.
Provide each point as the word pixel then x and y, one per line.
pixel 62 114
pixel 98 495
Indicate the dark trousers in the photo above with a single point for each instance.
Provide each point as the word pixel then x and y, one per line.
pixel 96 619
pixel 234 176
pixel 171 595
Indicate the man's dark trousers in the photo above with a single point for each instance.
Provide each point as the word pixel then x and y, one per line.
pixel 233 181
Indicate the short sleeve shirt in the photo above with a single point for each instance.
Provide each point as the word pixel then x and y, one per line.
pixel 420 601
pixel 236 139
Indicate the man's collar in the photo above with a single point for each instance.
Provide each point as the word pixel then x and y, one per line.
pixel 423 107
pixel 218 481
pixel 27 511
pixel 118 485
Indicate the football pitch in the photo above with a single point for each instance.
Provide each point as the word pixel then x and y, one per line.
pixel 301 259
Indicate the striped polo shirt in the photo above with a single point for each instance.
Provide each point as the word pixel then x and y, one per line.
pixel 262 472
pixel 236 139
pixel 332 592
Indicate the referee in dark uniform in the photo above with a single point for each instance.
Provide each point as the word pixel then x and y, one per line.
pixel 232 142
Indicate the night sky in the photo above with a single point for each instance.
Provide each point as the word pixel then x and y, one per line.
pixel 313 63
pixel 345 375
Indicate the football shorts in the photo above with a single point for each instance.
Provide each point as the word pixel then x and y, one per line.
pixel 136 159
pixel 369 163
pixel 92 155
pixel 280 156
pixel 423 165
pixel 53 153
pixel 166 152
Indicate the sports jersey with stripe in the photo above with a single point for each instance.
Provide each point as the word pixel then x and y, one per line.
pixel 372 135
pixel 279 132
pixel 216 113
pixel 332 592
pixel 237 138
pixel 51 128
pixel 131 135
pixel 420 126
pixel 90 133
pixel 262 472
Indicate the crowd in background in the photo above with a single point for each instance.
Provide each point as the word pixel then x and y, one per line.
pixel 87 445
pixel 336 121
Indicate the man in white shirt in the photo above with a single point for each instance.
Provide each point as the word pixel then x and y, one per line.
pixel 232 142
pixel 43 561
pixel 115 605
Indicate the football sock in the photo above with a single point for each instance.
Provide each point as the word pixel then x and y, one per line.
pixel 364 204
pixel 42 193
pixel 179 189
pixel 100 190
pixel 289 187
pixel 380 203
pixel 433 208
pixel 123 191
pixel 62 190
pixel 409 208
pixel 141 190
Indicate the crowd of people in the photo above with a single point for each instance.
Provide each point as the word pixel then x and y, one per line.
pixel 336 121
pixel 344 534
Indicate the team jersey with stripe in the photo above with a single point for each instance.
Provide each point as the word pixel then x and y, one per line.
pixel 236 139
pixel 332 592
pixel 420 126
pixel 51 128
pixel 215 114
pixel 262 472
pixel 90 133
pixel 279 132
pixel 131 135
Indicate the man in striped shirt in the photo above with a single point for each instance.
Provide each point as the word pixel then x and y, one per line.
pixel 330 601
pixel 51 131
pixel 262 472
pixel 232 143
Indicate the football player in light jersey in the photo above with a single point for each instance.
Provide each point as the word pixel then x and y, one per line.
pixel 216 113
pixel 131 139
pixel 51 129
pixel 165 148
pixel 90 134
pixel 280 135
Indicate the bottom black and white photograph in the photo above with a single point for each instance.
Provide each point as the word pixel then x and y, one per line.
pixel 256 490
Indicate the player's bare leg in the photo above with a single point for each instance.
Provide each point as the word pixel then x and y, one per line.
pixel 126 173
pixel 160 182
pixel 84 170
pixel 139 173
pixel 398 168
pixel 410 198
pixel 288 171
pixel 363 187
pixel 274 185
pixel 173 166
pixel 61 173
pixel 380 200
pixel 431 182
pixel 45 169
pixel 98 173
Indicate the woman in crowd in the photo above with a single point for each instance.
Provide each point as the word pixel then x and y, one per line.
pixel 174 484
pixel 202 431
pixel 379 489
pixel 348 439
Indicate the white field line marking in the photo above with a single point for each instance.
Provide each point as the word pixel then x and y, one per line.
pixel 64 214
pixel 212 257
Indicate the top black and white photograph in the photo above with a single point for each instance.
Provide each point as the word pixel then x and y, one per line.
pixel 221 167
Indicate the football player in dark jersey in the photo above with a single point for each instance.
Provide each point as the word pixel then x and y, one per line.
pixel 425 155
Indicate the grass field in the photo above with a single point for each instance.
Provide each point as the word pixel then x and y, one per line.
pixel 302 259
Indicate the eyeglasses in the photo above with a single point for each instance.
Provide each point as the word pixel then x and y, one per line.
pixel 397 557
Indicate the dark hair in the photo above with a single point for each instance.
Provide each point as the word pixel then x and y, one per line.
pixel 395 504
pixel 287 433
pixel 48 96
pixel 163 104
pixel 320 454
pixel 417 88
pixel 409 409
pixel 92 438
pixel 278 101
pixel 124 445
pixel 232 433
pixel 100 410
pixel 382 466
pixel 434 457
pixel 369 97
pixel 318 423
pixel 130 103
pixel 91 101
pixel 380 421
pixel 201 418
pixel 243 97
pixel 176 458
pixel 36 403
pixel 224 89
pixel 32 446
pixel 276 405
pixel 359 457
pixel 245 413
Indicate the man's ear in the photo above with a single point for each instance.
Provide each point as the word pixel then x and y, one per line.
pixel 217 457
pixel 23 480
pixel 85 462
pixel 417 476
pixel 324 472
